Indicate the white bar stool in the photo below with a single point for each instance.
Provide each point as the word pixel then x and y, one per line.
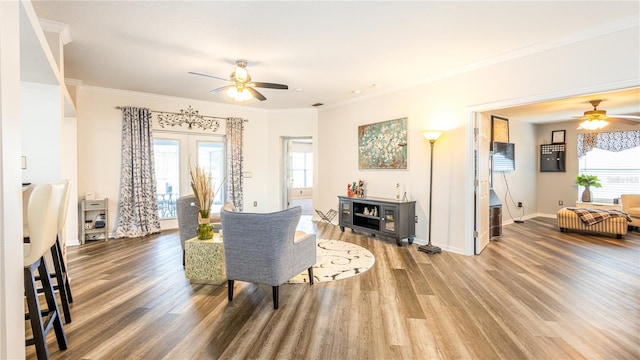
pixel 44 205
pixel 57 256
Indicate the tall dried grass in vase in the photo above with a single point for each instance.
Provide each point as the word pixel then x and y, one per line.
pixel 202 187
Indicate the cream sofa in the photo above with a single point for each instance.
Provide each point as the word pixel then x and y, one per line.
pixel 631 205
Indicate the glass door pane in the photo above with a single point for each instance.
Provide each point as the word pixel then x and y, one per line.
pixel 211 158
pixel 390 220
pixel 167 166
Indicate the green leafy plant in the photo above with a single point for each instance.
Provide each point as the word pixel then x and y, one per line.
pixel 588 180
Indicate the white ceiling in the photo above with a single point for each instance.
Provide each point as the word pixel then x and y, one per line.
pixel 326 49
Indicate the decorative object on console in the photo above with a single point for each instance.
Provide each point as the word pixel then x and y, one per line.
pixel 587 181
pixel 383 145
pixel 359 189
pixel 432 136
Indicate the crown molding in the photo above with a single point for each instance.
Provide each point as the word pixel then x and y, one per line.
pixel 57 27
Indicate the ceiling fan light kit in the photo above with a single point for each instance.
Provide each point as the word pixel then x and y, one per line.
pixel 241 88
pixel 239 94
pixel 593 124
pixel 596 119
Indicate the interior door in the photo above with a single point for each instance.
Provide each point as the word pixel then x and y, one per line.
pixel 287 173
pixel 482 139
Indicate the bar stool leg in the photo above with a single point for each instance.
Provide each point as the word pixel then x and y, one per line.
pixel 52 305
pixel 64 271
pixel 60 279
pixel 35 317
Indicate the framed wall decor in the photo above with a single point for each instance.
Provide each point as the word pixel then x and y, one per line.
pixel 383 145
pixel 557 136
pixel 499 129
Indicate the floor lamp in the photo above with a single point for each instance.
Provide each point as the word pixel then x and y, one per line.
pixel 432 136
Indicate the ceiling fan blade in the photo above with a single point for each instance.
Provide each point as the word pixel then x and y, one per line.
pixel 220 89
pixel 256 94
pixel 632 117
pixel 269 85
pixel 211 76
pixel 629 120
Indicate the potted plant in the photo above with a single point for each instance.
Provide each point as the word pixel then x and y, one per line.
pixel 587 181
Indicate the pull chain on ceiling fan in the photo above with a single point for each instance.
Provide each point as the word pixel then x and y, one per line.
pixel 242 88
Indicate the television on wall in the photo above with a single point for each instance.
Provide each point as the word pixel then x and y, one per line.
pixel 504 158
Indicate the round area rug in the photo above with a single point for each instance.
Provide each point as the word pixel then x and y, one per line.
pixel 336 260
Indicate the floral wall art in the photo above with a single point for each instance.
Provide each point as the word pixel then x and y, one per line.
pixel 383 145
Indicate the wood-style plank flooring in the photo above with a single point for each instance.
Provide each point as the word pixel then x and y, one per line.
pixel 535 294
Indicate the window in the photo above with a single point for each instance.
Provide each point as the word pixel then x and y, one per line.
pixel 302 169
pixel 613 157
pixel 173 154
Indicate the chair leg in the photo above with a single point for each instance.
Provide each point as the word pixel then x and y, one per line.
pixel 310 271
pixel 35 317
pixel 230 291
pixel 52 305
pixel 275 296
pixel 60 276
pixel 64 271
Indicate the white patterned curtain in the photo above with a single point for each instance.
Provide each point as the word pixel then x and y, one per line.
pixel 612 141
pixel 235 131
pixel 137 205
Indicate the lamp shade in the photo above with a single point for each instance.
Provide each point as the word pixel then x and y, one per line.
pixel 432 135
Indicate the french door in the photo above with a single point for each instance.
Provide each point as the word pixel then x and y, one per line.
pixel 482 177
pixel 174 153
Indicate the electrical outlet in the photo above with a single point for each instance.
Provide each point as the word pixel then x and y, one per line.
pixel 519 204
pixel 416 219
pixel 560 202
pixel 255 203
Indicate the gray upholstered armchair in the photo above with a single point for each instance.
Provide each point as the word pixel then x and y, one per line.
pixel 187 210
pixel 265 248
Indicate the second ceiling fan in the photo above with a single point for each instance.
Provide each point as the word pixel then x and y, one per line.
pixel 241 88
pixel 596 119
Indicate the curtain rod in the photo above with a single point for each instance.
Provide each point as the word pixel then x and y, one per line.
pixel 174 113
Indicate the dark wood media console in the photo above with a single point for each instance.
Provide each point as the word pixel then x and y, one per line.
pixel 378 216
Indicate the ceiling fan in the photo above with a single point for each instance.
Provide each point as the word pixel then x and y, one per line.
pixel 241 88
pixel 597 119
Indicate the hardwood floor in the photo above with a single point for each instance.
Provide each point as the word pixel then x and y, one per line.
pixel 535 294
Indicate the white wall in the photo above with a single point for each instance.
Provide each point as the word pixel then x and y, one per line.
pixel 11 278
pixel 446 104
pixel 99 141
pixel 41 132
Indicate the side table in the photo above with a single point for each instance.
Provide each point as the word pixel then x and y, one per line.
pixel 204 261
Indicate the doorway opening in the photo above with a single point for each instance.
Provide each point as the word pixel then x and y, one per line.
pixel 298 173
